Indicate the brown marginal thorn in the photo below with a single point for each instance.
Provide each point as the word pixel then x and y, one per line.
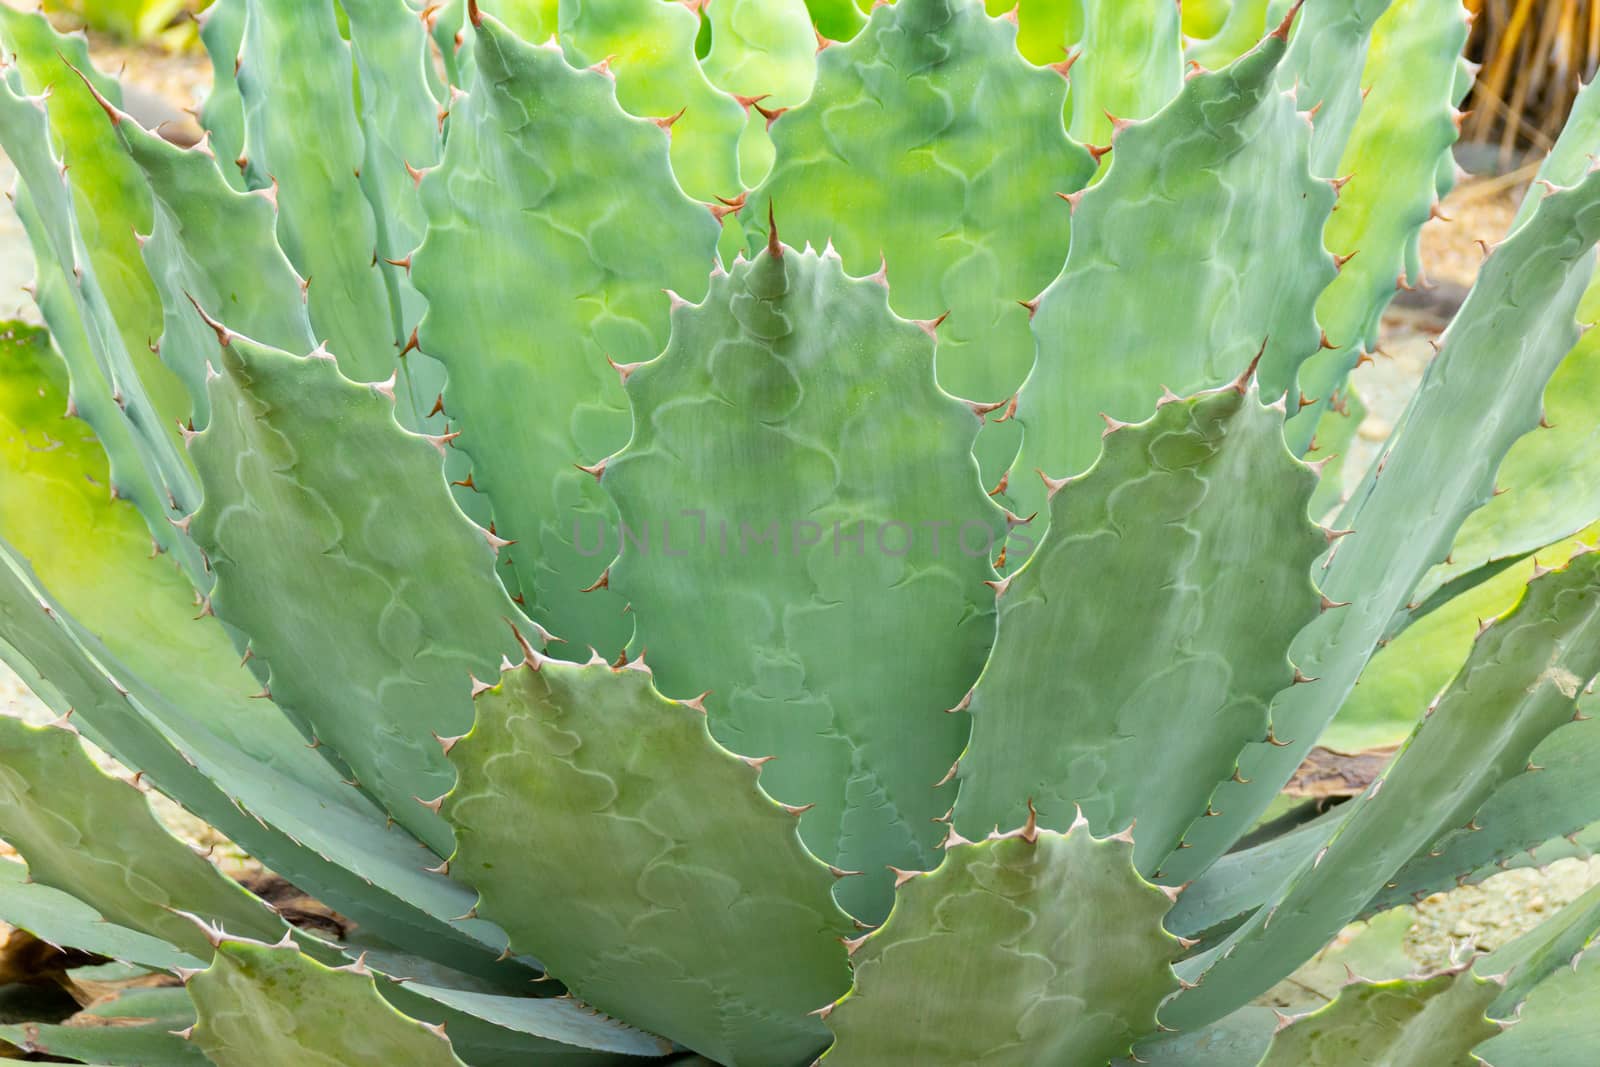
pixel 467 483
pixel 1167 397
pixel 1064 67
pixel 902 877
pixel 1241 384
pixel 1117 125
pixel 757 762
pixel 1032 306
pixel 265 694
pixel 699 704
pixel 1073 199
pixel 602 582
pixel 999 587
pixel 530 655
pixel 594 469
pixel 624 370
pixel 952 839
pixel 224 335
pixel 949 775
pixel 961 705
pixel 667 123
pixel 438 406
pixel 1500 490
pixel 411 344
pixel 1301 679
pixel 1307 401
pixel 931 326
pixel 1000 487
pixel 1112 425
pixel 1484 247
pixel 1052 486
pixel 1030 829
pixel 440 440
pixel 1363 359
pixel 1272 739
pixel 1339 261
pixel 1434 212
pixel 725 207
pixel 403 262
pixel 827 1009
pixel 1323 342
pixel 1333 535
pixel 432 805
pixel 1328 605
pixel 479 687
pixel 473 13
pixel 1545 423
pixel 1282 32
pixel 797 810
pixel 1238 777
pixel 1097 151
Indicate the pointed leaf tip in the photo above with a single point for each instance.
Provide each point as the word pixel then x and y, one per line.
pixel 774 248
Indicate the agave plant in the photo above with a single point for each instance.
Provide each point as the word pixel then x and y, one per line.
pixel 461 396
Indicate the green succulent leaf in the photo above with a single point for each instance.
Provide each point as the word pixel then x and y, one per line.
pixel 1196 521
pixel 538 145
pixel 1411 1022
pixel 1241 1038
pixel 1507 340
pixel 1326 66
pixel 110 202
pixel 261 1005
pixel 1131 65
pixel 287 516
pixel 1213 189
pixel 616 805
pixel 309 149
pixel 1520 684
pixel 1047 30
pixel 1241 26
pixel 1391 158
pixel 402 134
pixel 183 709
pixel 836 20
pixel 106 386
pixel 837 612
pixel 990 958
pixel 649 50
pixel 764 51
pixel 1521 964
pixel 485 1027
pixel 135 1029
pixel 222 112
pixel 1557 1025
pixel 94 836
pixel 1548 481
pixel 62 919
pixel 247 280
pixel 918 177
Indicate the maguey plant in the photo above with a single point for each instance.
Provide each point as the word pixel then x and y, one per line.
pixel 755 530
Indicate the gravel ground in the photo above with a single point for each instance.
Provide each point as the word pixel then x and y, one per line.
pixel 1472 918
